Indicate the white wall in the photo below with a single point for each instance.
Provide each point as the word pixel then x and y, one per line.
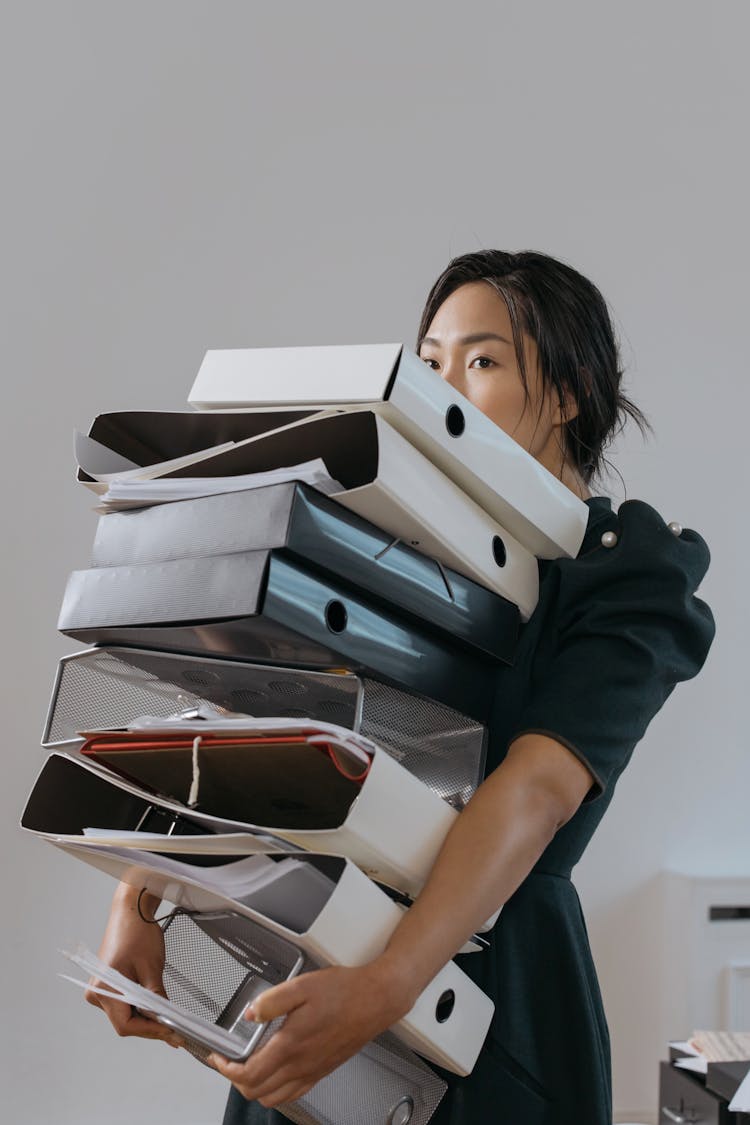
pixel 177 176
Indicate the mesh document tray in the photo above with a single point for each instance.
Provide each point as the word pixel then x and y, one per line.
pixel 109 687
pixel 215 960
pixel 216 964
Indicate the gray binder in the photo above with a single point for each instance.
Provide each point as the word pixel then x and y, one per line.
pixel 316 532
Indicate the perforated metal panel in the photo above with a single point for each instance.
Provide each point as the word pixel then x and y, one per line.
pixel 385 1084
pixel 443 748
pixel 111 686
pixel 217 963
pixel 210 958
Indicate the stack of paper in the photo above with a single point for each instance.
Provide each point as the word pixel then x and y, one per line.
pixel 125 485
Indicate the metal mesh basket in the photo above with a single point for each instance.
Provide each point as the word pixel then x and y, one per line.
pixel 443 748
pixel 111 686
pixel 215 961
pixel 216 964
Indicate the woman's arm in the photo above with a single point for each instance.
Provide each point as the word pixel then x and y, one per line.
pixel 494 843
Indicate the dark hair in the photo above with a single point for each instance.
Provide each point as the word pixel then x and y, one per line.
pixel 568 319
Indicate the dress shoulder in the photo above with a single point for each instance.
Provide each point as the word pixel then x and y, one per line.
pixel 634 556
pixel 626 627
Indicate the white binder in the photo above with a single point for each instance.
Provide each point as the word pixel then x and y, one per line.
pixel 485 462
pixel 391 484
pixel 391 825
pixel 72 794
pixel 448 1023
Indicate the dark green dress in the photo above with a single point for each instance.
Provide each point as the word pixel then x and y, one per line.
pixel 615 629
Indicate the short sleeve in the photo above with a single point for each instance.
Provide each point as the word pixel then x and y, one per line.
pixel 627 628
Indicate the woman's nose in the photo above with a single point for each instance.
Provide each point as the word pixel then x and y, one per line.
pixel 452 373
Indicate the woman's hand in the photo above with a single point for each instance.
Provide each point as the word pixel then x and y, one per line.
pixel 136 949
pixel 330 1015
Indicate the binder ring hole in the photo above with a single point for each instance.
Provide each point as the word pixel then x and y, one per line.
pixel 445 1005
pixel 402 1112
pixel 499 553
pixel 455 423
pixel 336 616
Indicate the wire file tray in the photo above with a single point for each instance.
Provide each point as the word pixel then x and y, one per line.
pixel 111 686
pixel 214 961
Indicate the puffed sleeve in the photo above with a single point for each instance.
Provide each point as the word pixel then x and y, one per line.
pixel 627 628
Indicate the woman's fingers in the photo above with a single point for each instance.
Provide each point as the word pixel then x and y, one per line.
pixel 126 1020
pixel 278 1001
pixel 328 1015
pixel 288 1092
pixel 284 1085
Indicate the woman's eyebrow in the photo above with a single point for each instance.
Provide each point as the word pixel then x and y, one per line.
pixel 474 338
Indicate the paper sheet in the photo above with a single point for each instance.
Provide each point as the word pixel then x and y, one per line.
pixel 130 490
pixel 357 746
pixel 149 1002
pixel 694 1063
pixel 290 892
pixel 740 1103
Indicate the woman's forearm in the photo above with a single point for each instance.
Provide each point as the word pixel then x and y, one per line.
pixel 490 849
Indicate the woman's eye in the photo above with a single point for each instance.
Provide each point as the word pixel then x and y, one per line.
pixel 432 363
pixel 482 362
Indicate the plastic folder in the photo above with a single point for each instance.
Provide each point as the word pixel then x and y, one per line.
pixel 316 532
pixel 391 484
pixel 260 606
pixel 487 464
pixel 348 922
pixel 110 687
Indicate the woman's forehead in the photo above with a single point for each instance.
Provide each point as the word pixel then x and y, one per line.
pixel 473 309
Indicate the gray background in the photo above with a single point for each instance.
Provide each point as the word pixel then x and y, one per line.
pixel 179 176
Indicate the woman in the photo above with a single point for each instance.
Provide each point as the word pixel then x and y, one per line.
pixel 529 341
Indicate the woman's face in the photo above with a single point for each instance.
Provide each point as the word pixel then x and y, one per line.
pixel 470 344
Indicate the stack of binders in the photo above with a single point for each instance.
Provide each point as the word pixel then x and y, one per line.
pixel 299 596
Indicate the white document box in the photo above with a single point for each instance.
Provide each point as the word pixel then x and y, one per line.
pixel 77 801
pixel 449 1022
pixel 488 465
pixel 391 824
